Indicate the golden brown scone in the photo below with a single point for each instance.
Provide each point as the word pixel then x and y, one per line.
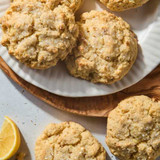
pixel 133 130
pixel 68 141
pixel 74 5
pixel 38 34
pixel 107 48
pixel 122 5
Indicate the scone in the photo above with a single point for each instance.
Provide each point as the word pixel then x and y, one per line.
pixel 68 141
pixel 74 5
pixel 106 50
pixel 122 5
pixel 133 130
pixel 38 34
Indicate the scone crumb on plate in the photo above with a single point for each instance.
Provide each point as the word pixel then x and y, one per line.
pixel 21 156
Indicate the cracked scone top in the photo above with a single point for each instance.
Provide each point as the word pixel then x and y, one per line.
pixel 68 141
pixel 37 34
pixel 74 5
pixel 106 50
pixel 121 5
pixel 133 130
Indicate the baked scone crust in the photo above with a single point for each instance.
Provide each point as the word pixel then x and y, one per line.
pixel 122 5
pixel 68 141
pixel 133 130
pixel 74 5
pixel 106 50
pixel 38 34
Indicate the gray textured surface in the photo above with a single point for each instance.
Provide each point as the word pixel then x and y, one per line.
pixel 32 115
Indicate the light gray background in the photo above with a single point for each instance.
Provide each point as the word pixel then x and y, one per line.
pixel 32 115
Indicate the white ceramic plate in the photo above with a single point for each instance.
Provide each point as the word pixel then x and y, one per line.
pixel 145 21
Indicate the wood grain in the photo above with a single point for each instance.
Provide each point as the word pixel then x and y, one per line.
pixel 90 106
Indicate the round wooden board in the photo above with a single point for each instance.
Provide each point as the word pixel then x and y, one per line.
pixel 90 106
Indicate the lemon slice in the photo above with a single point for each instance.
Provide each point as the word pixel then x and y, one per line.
pixel 9 139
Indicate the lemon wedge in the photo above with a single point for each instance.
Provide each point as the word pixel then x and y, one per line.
pixel 9 139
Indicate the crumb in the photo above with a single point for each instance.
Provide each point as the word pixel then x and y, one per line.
pixel 20 156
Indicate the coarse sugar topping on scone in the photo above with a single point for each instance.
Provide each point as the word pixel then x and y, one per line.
pixel 68 141
pixel 121 5
pixel 74 5
pixel 106 50
pixel 37 34
pixel 133 130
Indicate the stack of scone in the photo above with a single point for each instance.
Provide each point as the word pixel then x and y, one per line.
pixel 101 47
